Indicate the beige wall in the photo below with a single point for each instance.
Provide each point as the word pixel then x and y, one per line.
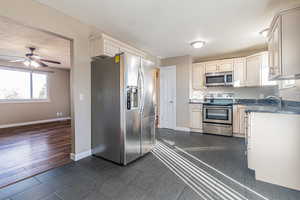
pixel 59 95
pixel 183 64
pixel 36 15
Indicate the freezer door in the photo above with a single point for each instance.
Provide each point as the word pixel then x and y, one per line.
pixel 105 103
pixel 148 73
pixel 131 106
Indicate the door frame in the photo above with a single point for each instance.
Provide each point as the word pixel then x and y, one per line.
pixel 160 96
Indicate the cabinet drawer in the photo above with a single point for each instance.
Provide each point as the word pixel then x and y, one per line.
pixel 196 107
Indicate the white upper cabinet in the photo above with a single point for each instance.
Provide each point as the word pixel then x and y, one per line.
pixel 198 74
pixel 104 45
pixel 219 66
pixel 284 45
pixel 211 67
pixel 225 65
pixel 239 69
pixel 257 70
pixel 253 70
pixel 274 48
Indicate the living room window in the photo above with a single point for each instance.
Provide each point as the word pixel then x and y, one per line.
pixel 22 85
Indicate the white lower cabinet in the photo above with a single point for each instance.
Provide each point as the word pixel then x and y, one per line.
pixel 196 117
pixel 273 148
pixel 239 120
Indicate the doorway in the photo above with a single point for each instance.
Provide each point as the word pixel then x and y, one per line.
pixel 35 101
pixel 168 97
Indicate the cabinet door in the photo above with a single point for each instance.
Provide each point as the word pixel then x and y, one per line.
pixel 265 71
pixel 242 115
pixel 225 65
pixel 198 72
pixel 253 73
pixel 239 72
pixel 196 119
pixel 271 56
pixel 211 67
pixel 236 120
pixel 276 70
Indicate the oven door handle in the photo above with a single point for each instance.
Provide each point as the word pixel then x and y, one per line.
pixel 218 108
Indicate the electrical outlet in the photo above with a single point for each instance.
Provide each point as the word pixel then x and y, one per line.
pixel 57 114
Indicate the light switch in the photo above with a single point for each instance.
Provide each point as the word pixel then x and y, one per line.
pixel 81 97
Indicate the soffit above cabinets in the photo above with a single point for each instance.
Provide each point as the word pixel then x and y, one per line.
pixel 166 28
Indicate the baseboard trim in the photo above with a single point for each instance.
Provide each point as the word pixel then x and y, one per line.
pixel 184 129
pixel 238 136
pixel 81 155
pixel 34 122
pixel 196 130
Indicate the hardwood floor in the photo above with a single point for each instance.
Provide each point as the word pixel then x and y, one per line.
pixel 29 150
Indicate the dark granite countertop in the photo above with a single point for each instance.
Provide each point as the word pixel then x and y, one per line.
pixel 270 109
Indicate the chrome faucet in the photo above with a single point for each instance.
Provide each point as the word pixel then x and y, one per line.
pixel 278 99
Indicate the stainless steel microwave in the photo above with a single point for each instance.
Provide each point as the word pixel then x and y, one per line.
pixel 219 79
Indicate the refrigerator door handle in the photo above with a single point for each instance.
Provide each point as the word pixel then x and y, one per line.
pixel 142 92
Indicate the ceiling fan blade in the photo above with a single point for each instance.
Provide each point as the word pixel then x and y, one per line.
pixel 41 63
pixel 20 60
pixel 51 61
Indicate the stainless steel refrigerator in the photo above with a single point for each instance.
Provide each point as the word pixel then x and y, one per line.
pixel 123 107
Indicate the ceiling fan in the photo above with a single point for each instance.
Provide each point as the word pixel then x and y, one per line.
pixel 34 60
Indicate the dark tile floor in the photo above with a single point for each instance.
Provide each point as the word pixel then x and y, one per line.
pixel 180 168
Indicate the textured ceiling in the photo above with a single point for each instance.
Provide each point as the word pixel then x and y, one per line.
pixel 166 27
pixel 15 38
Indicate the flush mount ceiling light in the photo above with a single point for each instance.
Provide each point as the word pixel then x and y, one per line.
pixel 265 32
pixel 197 44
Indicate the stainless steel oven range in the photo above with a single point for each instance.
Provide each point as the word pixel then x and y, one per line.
pixel 217 116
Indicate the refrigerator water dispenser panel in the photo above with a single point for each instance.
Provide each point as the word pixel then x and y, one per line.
pixel 132 98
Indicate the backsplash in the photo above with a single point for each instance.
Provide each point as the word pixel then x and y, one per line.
pixel 239 93
pixel 291 94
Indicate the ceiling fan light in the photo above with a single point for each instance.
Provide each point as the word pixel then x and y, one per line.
pixel 26 63
pixel 197 44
